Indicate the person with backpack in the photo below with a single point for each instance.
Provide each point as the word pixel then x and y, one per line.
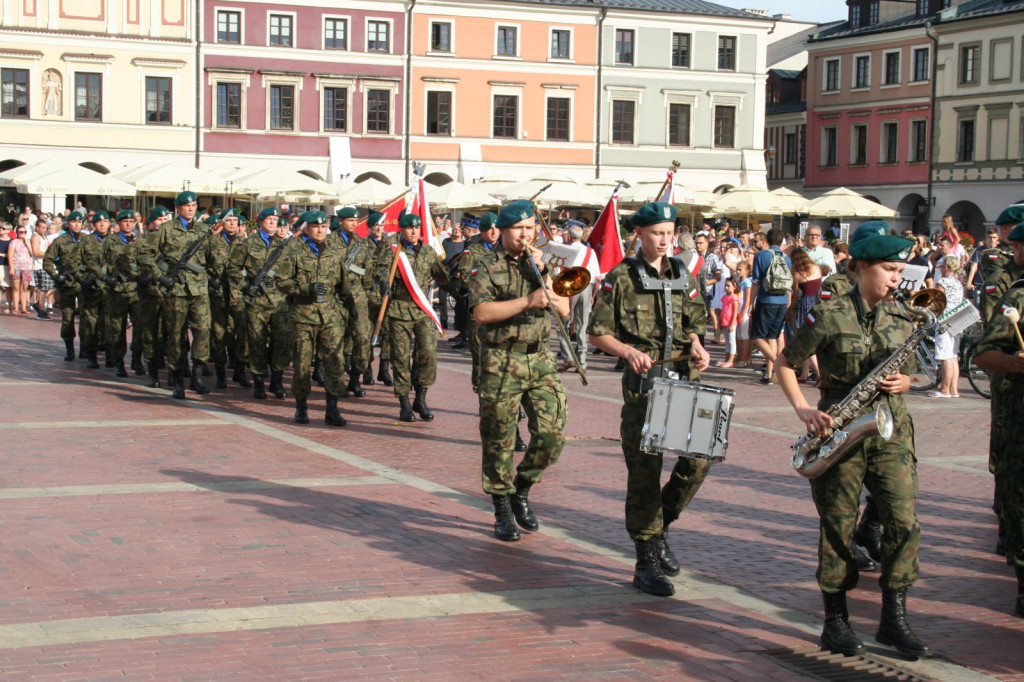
pixel 773 284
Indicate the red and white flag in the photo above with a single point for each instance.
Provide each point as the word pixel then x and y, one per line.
pixel 421 208
pixel 695 263
pixel 604 238
pixel 420 298
pixel 668 194
pixel 391 213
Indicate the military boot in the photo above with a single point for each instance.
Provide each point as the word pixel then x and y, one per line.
pixel 368 375
pixel 239 376
pixel 504 521
pixel 864 562
pixel 222 375
pixel 520 501
pixel 384 373
pixel 69 351
pixel 837 636
pixel 204 370
pixel 197 384
pixel 868 533
pixel 93 362
pixel 419 405
pixel 332 416
pixel 301 410
pixel 82 354
pixel 259 391
pixel 1019 609
pixel 405 413
pixel 109 361
pixel 177 377
pixel 232 360
pixel 666 557
pixel 119 369
pixel 318 372
pixel 648 576
pixel 520 443
pixel 353 384
pixel 277 384
pixel 137 365
pixel 894 630
pixel 154 376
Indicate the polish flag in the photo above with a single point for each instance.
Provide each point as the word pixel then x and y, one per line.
pixel 604 238
pixel 421 208
pixel 669 193
pixel 391 213
pixel 420 298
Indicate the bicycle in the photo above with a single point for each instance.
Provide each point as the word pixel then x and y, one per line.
pixel 928 374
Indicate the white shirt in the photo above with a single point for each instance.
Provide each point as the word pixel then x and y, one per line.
pixel 823 256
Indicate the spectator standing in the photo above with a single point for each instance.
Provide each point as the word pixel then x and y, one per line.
pixel 580 304
pixel 947 346
pixel 41 279
pixel 819 253
pixel 19 256
pixel 975 281
pixel 730 318
pixel 5 273
pixel 710 273
pixel 769 308
pixel 743 323
pixel 807 279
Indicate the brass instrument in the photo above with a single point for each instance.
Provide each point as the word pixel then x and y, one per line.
pixel 571 281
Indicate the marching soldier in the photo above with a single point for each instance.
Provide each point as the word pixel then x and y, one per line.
pixel 478 249
pixel 630 321
pixel 149 324
pixel 998 267
pixel 225 305
pixel 89 262
pixel 122 299
pixel 58 262
pixel 371 282
pixel 357 331
pixel 312 275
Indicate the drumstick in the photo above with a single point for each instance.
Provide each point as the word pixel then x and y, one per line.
pixel 677 358
pixel 1013 317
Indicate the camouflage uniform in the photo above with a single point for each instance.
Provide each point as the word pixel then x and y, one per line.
pixel 993 263
pixel 376 272
pixel 147 326
pixel 267 314
pixel 834 287
pixel 226 305
pixel 850 341
pixel 476 251
pixel 636 317
pixel 59 260
pixel 122 298
pixel 517 367
pixel 357 332
pixel 92 299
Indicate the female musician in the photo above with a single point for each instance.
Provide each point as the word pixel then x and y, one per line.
pixel 851 334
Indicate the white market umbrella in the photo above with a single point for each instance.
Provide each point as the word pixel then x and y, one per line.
pixel 67 179
pixel 690 197
pixel 751 200
pixel 270 180
pixel 171 178
pixel 797 201
pixel 455 196
pixel 563 191
pixel 845 203
pixel 12 176
pixel 493 183
pixel 369 192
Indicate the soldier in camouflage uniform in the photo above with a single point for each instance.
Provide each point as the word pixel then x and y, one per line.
pixel 377 243
pixel 517 368
pixel 224 305
pixel 1000 352
pixel 851 335
pixel 413 332
pixel 267 308
pixel 89 266
pixel 122 298
pixel 358 255
pixel 59 263
pixel 312 275
pixel 479 248
pixel 629 321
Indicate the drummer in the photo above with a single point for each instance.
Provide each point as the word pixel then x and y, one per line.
pixel 629 322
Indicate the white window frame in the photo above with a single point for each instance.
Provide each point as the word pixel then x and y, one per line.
pixel 430 36
pixel 571 59
pixel 853 73
pixel 883 140
pixel 885 67
pixel 824 75
pixel 853 145
pixel 435 86
pixel 293 81
pixel 241 24
pixel 348 32
pixel 339 81
pixel 510 91
pixel 823 152
pixel 518 56
pixel 295 27
pixel 913 64
pixel 244 79
pixel 559 93
pixel 391 36
pixel 391 86
pixel 911 143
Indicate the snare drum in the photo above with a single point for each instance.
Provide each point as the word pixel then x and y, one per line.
pixel 687 419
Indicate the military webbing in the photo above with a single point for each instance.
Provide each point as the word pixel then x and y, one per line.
pixel 665 286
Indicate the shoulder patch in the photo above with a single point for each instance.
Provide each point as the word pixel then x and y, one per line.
pixel 810 319
pixel 474 271
pixel 606 285
pixel 693 293
pixel 825 295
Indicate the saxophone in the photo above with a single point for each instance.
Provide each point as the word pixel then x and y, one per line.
pixel 814 454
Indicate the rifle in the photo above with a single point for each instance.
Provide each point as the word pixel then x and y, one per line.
pixel 253 289
pixel 350 262
pixel 168 280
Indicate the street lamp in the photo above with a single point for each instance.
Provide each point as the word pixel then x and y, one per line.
pixel 770 154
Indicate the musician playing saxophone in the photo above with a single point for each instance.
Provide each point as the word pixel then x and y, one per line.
pixel 851 334
pixel 630 321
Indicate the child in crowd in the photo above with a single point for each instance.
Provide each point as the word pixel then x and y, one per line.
pixel 729 319
pixel 743 271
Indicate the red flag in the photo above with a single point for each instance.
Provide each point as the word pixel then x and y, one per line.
pixel 604 238
pixel 669 193
pixel 391 213
pixel 421 208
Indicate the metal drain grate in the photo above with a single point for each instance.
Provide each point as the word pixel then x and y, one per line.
pixel 823 665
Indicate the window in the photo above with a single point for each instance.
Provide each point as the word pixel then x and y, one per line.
pixel 860 145
pixel 378 111
pixel 229 105
pixel 918 141
pixel 925 7
pixel 336 109
pixel 560 44
pixel 623 46
pixel 158 100
pixel 506 110
pixel 921 64
pixel 828 147
pixel 88 96
pixel 831 75
pixel 378 36
pixel 855 16
pixel 965 141
pixel 439 113
pixel 789 148
pixel 336 34
pixel 558 119
pixel 725 126
pixel 441 36
pixel 229 27
pixel 282 107
pixel 281 30
pixel 623 121
pixel 678 125
pixel 970 63
pixel 14 93
pixel 681 50
pixel 862 71
pixel 873 12
pixel 802 158
pixel 507 41
pixel 726 53
pixel 890 142
pixel 892 68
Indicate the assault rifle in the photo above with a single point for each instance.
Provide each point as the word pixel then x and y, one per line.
pixel 168 280
pixel 256 286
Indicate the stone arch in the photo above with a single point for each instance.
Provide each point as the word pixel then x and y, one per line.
pixel 968 217
pixel 375 175
pixel 915 207
pixel 8 164
pixel 92 165
pixel 722 189
pixel 312 174
pixel 438 179
pixel 873 198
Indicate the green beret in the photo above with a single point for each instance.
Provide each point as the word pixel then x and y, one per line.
pixel 872 241
pixel 99 215
pixel 212 220
pixel 185 198
pixel 348 212
pixel 513 213
pixel 269 211
pixel 157 213
pixel 1016 234
pixel 488 220
pixel 872 228
pixel 1011 215
pixel 229 213
pixel 126 214
pixel 409 220
pixel 335 224
pixel 654 212
pixel 76 215
pixel 312 218
pixel 375 218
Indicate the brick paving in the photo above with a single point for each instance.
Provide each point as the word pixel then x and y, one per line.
pixel 146 538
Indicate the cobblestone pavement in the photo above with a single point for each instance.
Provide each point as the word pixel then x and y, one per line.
pixel 147 538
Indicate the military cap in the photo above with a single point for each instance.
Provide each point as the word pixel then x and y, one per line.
pixel 269 211
pixel 99 215
pixel 157 212
pixel 513 213
pixel 230 213
pixel 312 218
pixel 185 198
pixel 654 212
pixel 409 220
pixel 872 241
pixel 126 214
pixel 348 212
pixel 1011 215
pixel 488 221
pixel 470 220
pixel 374 219
pixel 335 224
pixel 1016 234
pixel 76 215
pixel 212 220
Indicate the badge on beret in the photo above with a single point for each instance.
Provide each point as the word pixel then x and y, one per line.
pixel 100 215
pixel 126 214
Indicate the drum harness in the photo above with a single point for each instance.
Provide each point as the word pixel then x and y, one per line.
pixel 681 282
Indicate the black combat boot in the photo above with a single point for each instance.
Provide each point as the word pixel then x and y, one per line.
pixel 384 373
pixel 178 379
pixel 868 533
pixel 259 391
pixel 405 413
pixel 232 360
pixel 648 576
pixel 419 405
pixel 353 384
pixel 894 630
pixel 69 351
pixel 666 557
pixel 204 370
pixel 82 354
pixel 1019 609
pixel 332 416
pixel 318 372
pixel 239 376
pixel 93 362
pixel 137 365
pixel 109 361
pixel 197 384
pixel 368 375
pixel 520 501
pixel 222 375
pixel 504 522
pixel 520 443
pixel 837 636
pixel 277 384
pixel 154 376
pixel 119 369
pixel 864 562
pixel 301 411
